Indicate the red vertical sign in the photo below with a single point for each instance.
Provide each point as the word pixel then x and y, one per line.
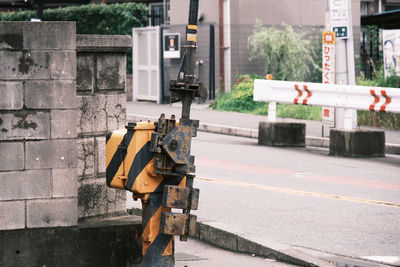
pixel 328 72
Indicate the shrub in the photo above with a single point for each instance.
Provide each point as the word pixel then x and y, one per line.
pixel 378 79
pixel 240 99
pixel 93 19
pixel 299 112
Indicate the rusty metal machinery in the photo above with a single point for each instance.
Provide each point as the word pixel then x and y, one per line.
pixel 153 161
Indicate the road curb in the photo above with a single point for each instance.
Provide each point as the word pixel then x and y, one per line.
pixel 252 133
pixel 211 232
pixel 218 235
pixel 392 149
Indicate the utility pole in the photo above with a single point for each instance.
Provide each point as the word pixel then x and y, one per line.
pixel 221 45
pixel 339 16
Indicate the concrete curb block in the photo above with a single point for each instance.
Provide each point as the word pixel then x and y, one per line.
pixel 211 232
pixel 252 133
pixel 317 141
pixel 392 149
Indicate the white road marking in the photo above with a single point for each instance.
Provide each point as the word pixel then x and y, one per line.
pixel 297 192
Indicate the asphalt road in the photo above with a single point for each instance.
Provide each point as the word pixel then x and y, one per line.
pixel 300 196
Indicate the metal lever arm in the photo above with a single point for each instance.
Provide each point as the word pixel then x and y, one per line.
pixel 185 88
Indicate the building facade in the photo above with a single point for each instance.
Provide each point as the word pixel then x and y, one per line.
pixel 234 21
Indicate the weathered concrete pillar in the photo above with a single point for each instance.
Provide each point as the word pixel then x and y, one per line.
pixel 101 108
pixel 38 125
pixel 282 134
pixel 357 143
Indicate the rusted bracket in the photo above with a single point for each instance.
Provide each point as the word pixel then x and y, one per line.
pixel 176 224
pixel 179 197
pixel 171 145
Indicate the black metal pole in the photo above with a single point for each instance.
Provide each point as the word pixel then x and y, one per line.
pixel 39 11
pixel 162 75
pixel 154 246
pixel 190 47
pixel 212 63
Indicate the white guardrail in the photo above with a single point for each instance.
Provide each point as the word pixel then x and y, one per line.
pixel 329 95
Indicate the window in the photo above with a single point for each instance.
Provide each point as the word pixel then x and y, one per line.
pixel 364 8
pixel 156 13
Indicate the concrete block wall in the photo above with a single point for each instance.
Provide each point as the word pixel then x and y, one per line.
pixel 38 115
pixel 101 98
pixel 60 93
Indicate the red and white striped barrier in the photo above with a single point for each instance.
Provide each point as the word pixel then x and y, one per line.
pixel 330 95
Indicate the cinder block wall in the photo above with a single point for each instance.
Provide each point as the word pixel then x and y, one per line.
pixel 60 93
pixel 38 111
pixel 101 108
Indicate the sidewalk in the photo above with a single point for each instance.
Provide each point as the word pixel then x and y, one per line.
pixel 240 124
pixel 195 253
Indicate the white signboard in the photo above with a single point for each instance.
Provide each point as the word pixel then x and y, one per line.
pixel 339 13
pixel 172 45
pixel 391 52
pixel 328 116
pixel 328 73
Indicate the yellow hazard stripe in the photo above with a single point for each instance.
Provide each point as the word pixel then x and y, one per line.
pixel 168 249
pixel 152 230
pixel 113 143
pixel 191 37
pixel 192 27
pixel 145 184
pixel 136 144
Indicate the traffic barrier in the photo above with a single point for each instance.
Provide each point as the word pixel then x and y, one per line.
pixel 329 95
pixel 346 142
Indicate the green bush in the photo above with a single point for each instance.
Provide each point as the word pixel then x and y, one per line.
pixel 93 19
pixel 240 99
pixel 299 112
pixel 379 119
pixel 378 79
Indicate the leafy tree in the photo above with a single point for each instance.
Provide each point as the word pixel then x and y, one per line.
pixel 288 54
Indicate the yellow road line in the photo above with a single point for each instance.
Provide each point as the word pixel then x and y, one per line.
pixel 297 192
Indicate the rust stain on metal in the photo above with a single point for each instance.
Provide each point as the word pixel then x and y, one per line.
pixel 173 223
pixel 180 197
